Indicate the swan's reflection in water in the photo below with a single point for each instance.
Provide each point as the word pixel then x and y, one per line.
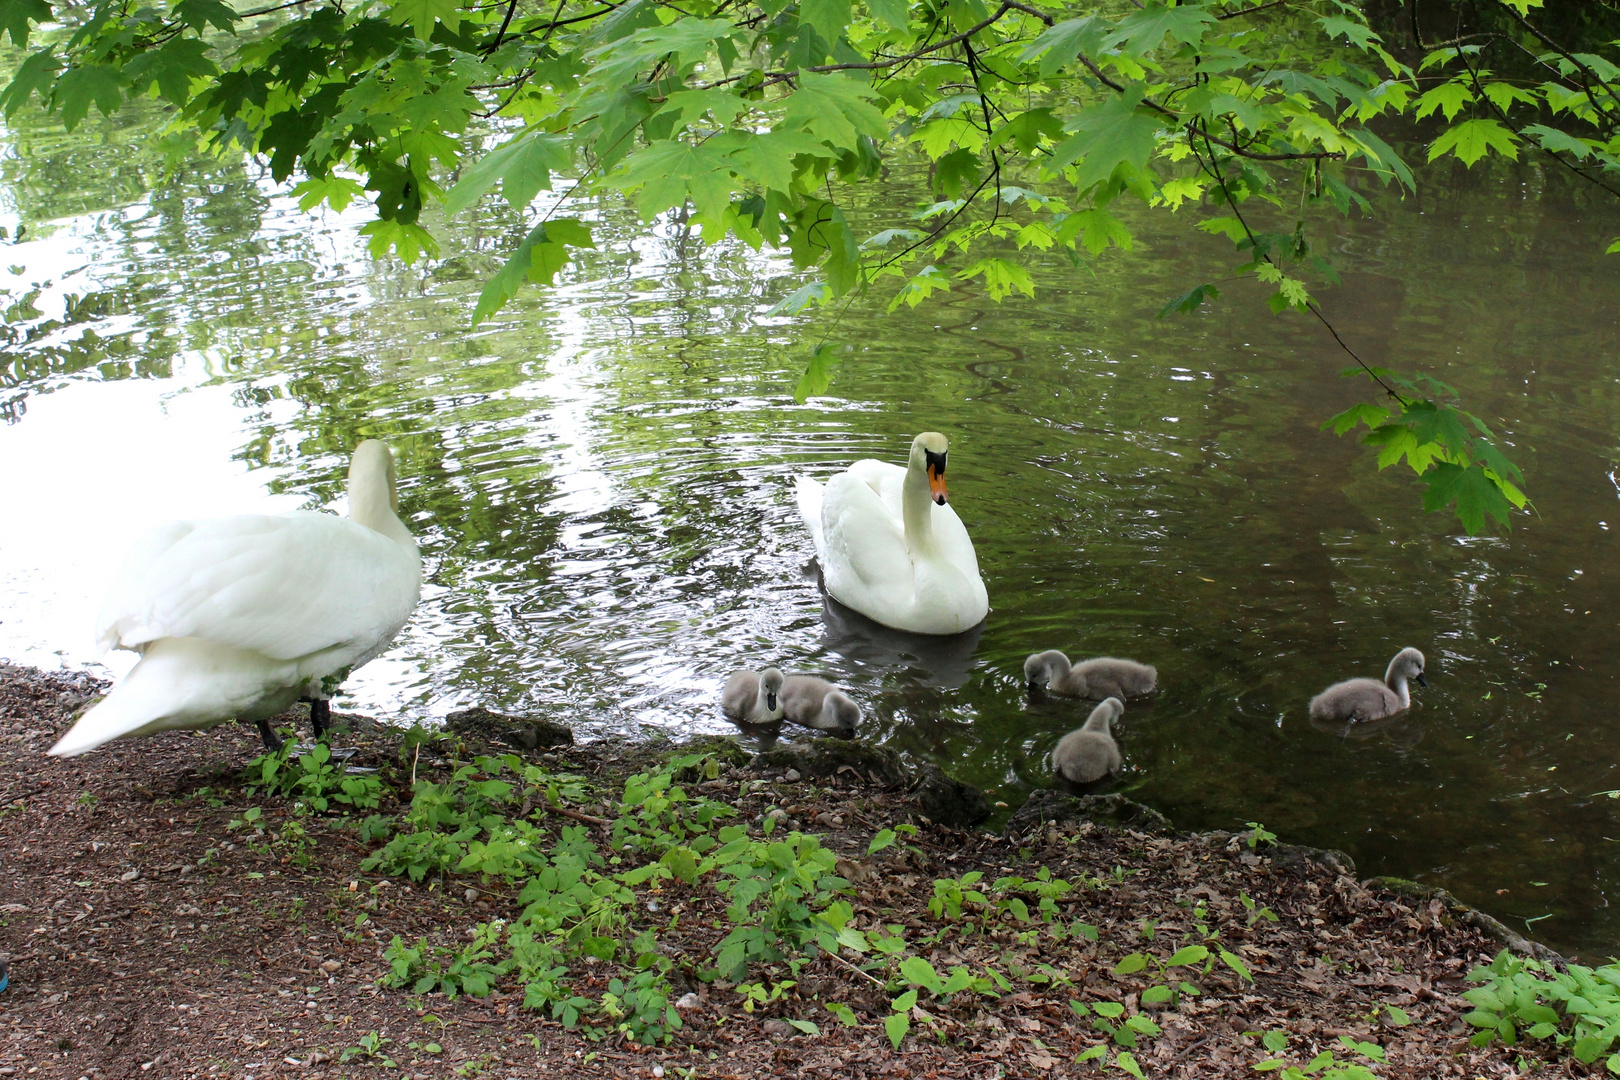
pixel 923 660
pixel 1402 732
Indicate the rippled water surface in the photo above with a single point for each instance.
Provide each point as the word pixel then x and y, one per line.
pixel 602 482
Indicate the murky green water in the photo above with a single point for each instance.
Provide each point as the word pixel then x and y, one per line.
pixel 602 481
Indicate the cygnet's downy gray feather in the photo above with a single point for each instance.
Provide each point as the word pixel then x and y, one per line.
pixel 753 697
pixel 1089 754
pixel 1369 699
pixel 1104 677
pixel 817 703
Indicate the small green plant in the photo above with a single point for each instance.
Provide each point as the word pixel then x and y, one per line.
pixel 448 971
pixel 641 1007
pixel 1324 1066
pixel 313 779
pixel 1578 1009
pixel 370 1050
pixel 1257 835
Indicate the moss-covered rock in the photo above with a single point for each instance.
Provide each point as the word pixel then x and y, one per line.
pixel 1113 811
pixel 947 800
pixel 822 758
pixel 521 732
pixel 1461 912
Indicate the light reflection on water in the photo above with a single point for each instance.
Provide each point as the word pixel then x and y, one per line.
pixel 602 481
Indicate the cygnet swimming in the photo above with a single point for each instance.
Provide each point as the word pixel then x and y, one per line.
pixel 753 697
pixel 1103 677
pixel 817 703
pixel 1089 754
pixel 1369 699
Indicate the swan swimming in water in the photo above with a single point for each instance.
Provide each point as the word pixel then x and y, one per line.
pixel 891 548
pixel 238 617
pixel 1090 753
pixel 1368 699
pixel 1104 677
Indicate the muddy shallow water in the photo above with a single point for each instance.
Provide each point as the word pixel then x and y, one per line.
pixel 602 481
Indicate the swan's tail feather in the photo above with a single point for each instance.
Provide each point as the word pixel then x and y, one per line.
pixel 127 709
pixel 808 493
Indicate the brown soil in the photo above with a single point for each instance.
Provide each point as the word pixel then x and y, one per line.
pixel 146 939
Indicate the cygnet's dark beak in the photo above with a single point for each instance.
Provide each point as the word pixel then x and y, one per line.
pixel 1421 680
pixel 1035 687
pixel 770 701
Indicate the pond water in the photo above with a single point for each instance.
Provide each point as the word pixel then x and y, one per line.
pixel 602 481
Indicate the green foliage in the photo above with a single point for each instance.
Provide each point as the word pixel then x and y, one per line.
pixel 313 779
pixel 427 970
pixel 1578 1010
pixel 757 121
pixel 1324 1066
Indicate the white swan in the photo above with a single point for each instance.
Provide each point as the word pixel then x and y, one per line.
pixel 891 548
pixel 239 617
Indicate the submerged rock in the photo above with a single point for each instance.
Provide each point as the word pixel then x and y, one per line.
pixel 1112 811
pixel 522 732
pixel 822 758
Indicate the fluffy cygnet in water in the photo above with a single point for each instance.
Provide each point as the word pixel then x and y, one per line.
pixel 1089 754
pixel 817 703
pixel 1369 699
pixel 1103 677
pixel 753 697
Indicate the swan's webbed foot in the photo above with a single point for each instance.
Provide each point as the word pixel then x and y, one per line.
pixel 272 743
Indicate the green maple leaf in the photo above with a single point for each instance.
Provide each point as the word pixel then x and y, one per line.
pixel 1001 277
pixel 172 67
pixel 80 87
pixel 523 167
pixel 1470 141
pixel 1142 31
pixel 836 109
pixel 34 76
pixel 817 374
pixel 200 14
pixel 1555 140
pixel 1354 31
pixel 767 157
pixel 1060 45
pixel 827 17
pixel 1474 493
pixel 14 16
pixel 538 258
pixel 1106 135
pixel 894 12
pixel 928 281
pixel 668 173
pixel 1449 98
pixel 420 15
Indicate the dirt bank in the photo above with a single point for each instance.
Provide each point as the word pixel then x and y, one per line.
pixel 148 937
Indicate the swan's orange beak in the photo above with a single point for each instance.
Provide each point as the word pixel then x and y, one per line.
pixel 936 483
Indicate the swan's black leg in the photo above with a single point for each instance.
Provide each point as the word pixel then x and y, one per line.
pixel 320 716
pixel 271 742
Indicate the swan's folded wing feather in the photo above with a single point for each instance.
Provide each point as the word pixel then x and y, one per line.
pixel 286 586
pixel 863 542
pixel 127 591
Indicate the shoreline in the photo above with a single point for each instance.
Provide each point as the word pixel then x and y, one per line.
pixel 153 931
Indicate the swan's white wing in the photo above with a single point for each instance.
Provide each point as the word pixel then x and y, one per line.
pixel 127 589
pixel 286 586
pixel 808 495
pixel 865 563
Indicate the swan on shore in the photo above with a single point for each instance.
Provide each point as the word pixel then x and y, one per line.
pixel 238 617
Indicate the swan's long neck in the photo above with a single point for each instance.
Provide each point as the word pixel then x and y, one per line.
pixel 372 501
pixel 762 701
pixel 1099 721
pixel 1057 666
pixel 1396 681
pixel 917 506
